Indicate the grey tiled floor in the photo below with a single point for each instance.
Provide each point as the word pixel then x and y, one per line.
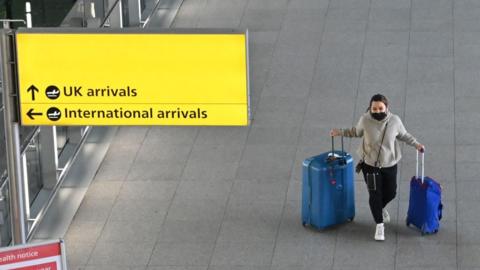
pixel 228 198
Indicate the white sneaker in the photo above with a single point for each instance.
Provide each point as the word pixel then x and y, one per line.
pixel 386 216
pixel 380 233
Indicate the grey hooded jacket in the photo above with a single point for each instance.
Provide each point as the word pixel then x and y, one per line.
pixel 372 131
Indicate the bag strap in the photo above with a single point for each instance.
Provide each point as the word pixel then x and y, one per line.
pixel 363 148
pixel 381 143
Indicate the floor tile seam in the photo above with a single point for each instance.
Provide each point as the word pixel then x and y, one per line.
pixel 216 241
pixel 293 160
pixel 357 89
pixel 193 242
pixel 455 136
pixel 362 57
pixel 243 16
pixel 116 197
pixel 433 244
pixel 426 60
pixel 197 131
pixel 125 241
pixel 408 243
pixel 405 92
pixel 264 84
pixel 298 135
pixel 241 266
pixel 270 61
pixel 372 265
pixel 210 259
pixel 123 179
pixel 197 18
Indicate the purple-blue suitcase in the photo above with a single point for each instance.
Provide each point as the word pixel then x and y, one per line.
pixel 425 204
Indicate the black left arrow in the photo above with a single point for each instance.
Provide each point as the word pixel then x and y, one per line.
pixel 30 114
pixel 32 89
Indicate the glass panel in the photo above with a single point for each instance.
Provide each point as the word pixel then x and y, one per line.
pixel 26 134
pixel 147 8
pixel 44 13
pixel 62 138
pixel 114 19
pixel 34 174
pixel 3 154
pixel 89 13
pixel 1 92
pixel 5 232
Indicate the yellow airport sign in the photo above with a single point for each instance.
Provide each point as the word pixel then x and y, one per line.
pixel 132 78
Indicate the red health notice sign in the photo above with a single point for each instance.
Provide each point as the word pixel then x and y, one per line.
pixel 32 257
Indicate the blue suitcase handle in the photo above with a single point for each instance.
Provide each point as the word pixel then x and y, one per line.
pixel 332 156
pixel 422 176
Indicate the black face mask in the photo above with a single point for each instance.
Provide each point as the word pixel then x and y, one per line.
pixel 379 116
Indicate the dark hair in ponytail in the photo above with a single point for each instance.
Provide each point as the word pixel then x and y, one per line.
pixel 378 97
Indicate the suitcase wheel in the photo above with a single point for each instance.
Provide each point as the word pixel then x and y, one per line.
pixel 350 219
pixel 304 224
pixel 407 222
pixel 423 230
pixel 433 232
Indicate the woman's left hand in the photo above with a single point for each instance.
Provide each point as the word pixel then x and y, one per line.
pixel 421 148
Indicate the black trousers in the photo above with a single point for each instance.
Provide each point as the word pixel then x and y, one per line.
pixel 385 191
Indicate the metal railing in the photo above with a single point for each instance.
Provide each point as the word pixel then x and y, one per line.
pixel 110 16
pixel 62 173
pixel 92 13
pixel 113 13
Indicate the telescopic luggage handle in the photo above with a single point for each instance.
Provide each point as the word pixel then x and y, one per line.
pixel 333 145
pixel 421 152
pixel 332 155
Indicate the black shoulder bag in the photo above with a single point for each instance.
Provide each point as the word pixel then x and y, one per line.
pixel 375 176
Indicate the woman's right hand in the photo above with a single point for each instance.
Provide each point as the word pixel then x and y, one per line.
pixel 335 132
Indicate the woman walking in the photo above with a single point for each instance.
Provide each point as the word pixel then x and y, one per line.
pixel 380 152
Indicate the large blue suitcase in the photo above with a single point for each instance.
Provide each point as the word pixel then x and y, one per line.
pixel 328 195
pixel 425 204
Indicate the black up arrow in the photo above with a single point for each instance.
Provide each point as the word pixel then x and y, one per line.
pixel 32 89
pixel 30 114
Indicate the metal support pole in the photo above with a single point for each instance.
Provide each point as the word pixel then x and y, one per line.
pixel 12 134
